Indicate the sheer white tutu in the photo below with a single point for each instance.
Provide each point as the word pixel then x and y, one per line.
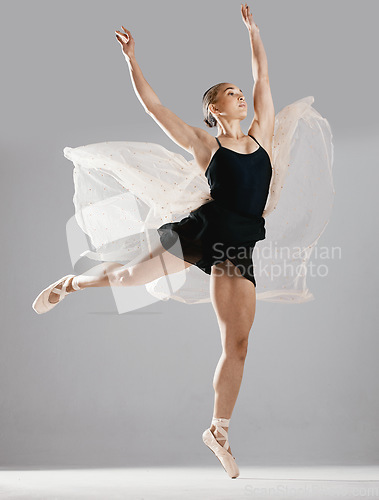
pixel 125 190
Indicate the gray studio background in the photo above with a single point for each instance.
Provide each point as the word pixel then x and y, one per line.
pixel 86 386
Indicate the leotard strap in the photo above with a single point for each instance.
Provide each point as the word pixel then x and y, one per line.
pixel 254 139
pixel 249 136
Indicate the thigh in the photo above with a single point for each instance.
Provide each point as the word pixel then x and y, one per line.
pixel 147 270
pixel 234 299
pixel 156 249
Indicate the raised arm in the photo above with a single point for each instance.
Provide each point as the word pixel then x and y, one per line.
pixel 264 112
pixel 180 132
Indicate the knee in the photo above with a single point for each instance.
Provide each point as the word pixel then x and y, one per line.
pixel 119 277
pixel 237 349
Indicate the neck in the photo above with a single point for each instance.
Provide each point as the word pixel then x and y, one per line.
pixel 230 130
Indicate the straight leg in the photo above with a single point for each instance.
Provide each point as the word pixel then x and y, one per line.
pixel 234 300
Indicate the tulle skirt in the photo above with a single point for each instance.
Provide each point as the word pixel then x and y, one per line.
pixel 133 197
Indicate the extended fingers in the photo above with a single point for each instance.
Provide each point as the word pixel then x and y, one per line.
pixel 126 35
pixel 127 32
pixel 245 10
pixel 122 36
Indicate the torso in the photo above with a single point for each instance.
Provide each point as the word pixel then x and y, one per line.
pixel 240 181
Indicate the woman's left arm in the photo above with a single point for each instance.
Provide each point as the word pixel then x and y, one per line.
pixel 264 112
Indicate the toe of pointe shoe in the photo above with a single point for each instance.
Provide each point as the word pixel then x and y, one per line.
pixel 41 304
pixel 227 460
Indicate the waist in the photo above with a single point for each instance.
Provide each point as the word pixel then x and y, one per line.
pixel 229 225
pixel 254 217
pixel 246 202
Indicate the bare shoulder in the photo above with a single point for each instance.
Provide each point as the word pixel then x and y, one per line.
pixel 204 148
pixel 264 137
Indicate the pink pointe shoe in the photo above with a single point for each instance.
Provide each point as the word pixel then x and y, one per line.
pixel 221 452
pixel 42 305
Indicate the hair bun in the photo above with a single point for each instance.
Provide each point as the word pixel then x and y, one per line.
pixel 210 97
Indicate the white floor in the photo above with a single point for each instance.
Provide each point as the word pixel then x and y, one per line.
pixel 192 483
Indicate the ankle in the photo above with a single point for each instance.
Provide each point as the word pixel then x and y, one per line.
pixel 220 422
pixel 219 429
pixel 74 286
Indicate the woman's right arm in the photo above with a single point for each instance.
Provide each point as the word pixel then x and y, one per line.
pixel 184 135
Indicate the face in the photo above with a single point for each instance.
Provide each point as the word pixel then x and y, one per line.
pixel 230 102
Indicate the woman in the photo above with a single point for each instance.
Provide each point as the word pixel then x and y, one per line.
pixel 219 236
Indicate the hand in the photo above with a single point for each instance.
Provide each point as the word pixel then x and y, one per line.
pixel 126 41
pixel 247 18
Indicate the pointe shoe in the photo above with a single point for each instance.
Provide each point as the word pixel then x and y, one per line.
pixel 42 305
pixel 221 452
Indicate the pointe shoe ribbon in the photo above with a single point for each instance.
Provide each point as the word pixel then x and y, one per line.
pixel 42 305
pixel 226 459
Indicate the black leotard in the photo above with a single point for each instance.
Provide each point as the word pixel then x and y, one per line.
pixel 228 226
pixel 240 181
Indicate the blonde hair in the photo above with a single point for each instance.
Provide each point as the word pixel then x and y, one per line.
pixel 210 97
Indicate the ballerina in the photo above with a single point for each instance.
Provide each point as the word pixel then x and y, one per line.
pixel 218 236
